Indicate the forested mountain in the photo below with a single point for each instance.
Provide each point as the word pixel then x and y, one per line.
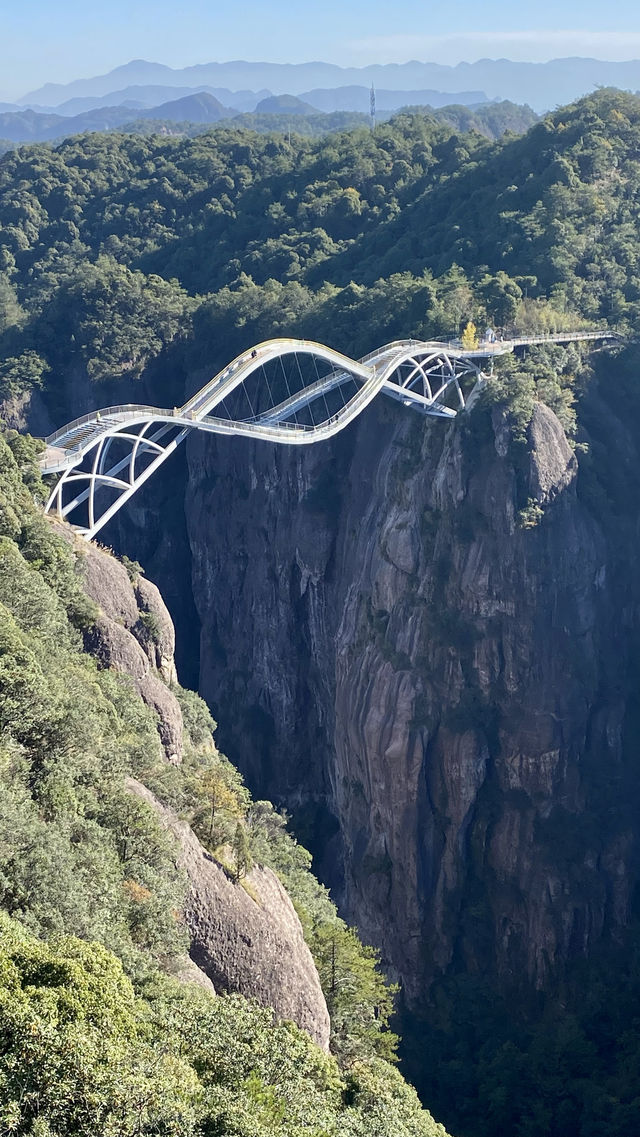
pixel 34 126
pixel 491 119
pixel 111 248
pixel 192 114
pixel 276 104
pixel 132 266
pixel 97 1033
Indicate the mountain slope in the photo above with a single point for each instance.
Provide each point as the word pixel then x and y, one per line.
pixel 424 641
pixel 92 860
pixel 285 104
pixel 29 125
pixel 150 95
pixel 200 107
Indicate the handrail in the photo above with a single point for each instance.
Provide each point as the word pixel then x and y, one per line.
pixel 404 370
pixel 122 409
pixel 484 348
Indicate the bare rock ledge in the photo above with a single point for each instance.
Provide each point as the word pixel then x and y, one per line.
pixel 254 947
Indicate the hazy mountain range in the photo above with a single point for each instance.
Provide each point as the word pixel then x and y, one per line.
pixel 348 98
pixel 33 126
pixel 141 91
pixel 541 85
pixel 152 95
pixel 46 125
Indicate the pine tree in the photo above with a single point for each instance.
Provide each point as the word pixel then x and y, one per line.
pixel 242 863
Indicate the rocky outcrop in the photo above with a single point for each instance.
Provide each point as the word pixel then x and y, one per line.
pixel 27 411
pixel 246 938
pixel 134 634
pixel 157 695
pixel 412 639
pixel 107 583
pixel 114 646
pixel 553 466
pixel 188 972
pixel 155 629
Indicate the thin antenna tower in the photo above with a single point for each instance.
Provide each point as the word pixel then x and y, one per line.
pixel 372 107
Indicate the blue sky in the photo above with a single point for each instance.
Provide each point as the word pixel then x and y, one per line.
pixel 59 40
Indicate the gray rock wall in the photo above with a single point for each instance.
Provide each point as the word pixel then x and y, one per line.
pixel 430 681
pixel 124 638
pixel 246 937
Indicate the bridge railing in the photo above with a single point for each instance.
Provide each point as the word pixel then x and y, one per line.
pixel 524 341
pixel 132 409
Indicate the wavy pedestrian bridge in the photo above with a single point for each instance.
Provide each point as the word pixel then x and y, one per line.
pixel 288 391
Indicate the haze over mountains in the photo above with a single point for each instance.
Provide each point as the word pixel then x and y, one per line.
pixel 202 108
pixel 152 95
pixel 33 126
pixel 138 108
pixel 139 93
pixel 541 85
pixel 352 97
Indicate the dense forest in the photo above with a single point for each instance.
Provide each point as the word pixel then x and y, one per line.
pixel 139 261
pixel 114 249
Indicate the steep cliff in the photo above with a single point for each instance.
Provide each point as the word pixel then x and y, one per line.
pixel 244 940
pixel 421 639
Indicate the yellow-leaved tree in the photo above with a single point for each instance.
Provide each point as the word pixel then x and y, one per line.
pixel 469 338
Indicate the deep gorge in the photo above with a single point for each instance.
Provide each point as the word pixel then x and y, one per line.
pixel 352 649
pixel 412 640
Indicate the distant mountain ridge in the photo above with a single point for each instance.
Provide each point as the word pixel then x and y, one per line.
pixel 193 113
pixel 356 98
pixel 541 85
pixel 200 107
pixel 326 99
pixel 285 104
pixel 32 126
pixel 152 95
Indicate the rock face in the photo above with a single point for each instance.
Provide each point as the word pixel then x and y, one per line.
pixel 133 634
pixel 412 639
pixel 247 943
pixel 160 641
pixel 242 939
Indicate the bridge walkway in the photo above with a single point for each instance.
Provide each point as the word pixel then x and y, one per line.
pixel 92 452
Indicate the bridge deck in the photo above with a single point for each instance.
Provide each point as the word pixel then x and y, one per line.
pixel 65 445
pixel 424 375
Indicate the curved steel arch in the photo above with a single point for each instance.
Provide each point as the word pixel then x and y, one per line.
pixel 104 457
pixel 266 393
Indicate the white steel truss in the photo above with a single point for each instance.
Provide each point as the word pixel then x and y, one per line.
pixel 287 391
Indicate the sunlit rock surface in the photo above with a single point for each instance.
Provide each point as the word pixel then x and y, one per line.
pixel 246 937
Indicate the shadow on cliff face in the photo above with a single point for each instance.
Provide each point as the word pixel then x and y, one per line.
pixel 419 661
pixel 492 1049
pixel 431 654
pixel 151 529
